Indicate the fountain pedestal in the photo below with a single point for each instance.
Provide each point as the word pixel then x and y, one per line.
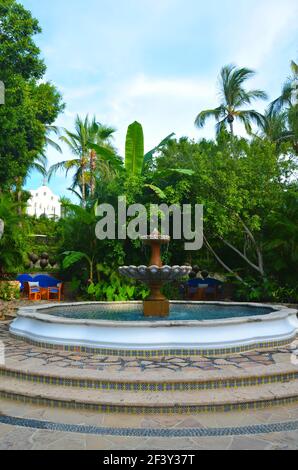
pixel 156 308
pixel 155 276
pixel 156 305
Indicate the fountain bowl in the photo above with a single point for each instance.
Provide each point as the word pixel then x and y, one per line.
pixel 106 328
pixel 155 273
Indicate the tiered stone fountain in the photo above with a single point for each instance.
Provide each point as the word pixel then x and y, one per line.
pixel 155 275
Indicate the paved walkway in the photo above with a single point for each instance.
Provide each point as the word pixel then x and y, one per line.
pixel 42 428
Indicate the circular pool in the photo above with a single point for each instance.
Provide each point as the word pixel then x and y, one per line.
pixel 192 328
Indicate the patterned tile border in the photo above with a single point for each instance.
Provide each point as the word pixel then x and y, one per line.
pixel 151 432
pixel 143 386
pixel 148 410
pixel 157 352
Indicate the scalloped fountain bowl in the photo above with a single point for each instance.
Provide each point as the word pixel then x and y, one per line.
pixel 154 273
pixel 192 328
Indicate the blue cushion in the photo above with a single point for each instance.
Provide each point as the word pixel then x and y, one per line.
pixel 22 278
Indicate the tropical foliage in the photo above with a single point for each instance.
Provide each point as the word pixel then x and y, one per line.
pixel 248 185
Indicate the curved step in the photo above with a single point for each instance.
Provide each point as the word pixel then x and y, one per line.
pixel 155 381
pixel 149 403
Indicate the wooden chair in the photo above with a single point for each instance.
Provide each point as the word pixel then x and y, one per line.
pixel 55 293
pixel 33 292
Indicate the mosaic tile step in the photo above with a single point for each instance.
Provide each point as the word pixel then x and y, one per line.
pixel 130 402
pixel 156 381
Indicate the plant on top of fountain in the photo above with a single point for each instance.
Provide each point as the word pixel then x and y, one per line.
pixel 155 235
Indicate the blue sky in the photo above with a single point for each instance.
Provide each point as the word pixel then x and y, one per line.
pixel 157 61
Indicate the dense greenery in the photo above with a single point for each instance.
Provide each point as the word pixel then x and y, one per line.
pixel 30 103
pixel 248 186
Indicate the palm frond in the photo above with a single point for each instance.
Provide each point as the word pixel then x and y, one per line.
pixel 66 165
pixel 231 81
pixel 216 113
pixel 284 99
pixel 246 97
pixel 39 168
pixel 250 116
pixel 53 144
pixel 220 126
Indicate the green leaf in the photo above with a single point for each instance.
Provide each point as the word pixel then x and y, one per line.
pixel 157 190
pixel 182 171
pixel 149 155
pixel 73 257
pixel 134 149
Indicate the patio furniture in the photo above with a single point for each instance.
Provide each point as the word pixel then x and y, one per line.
pixel 55 293
pixel 23 280
pixel 201 292
pixel 34 293
pixel 204 289
pixel 43 281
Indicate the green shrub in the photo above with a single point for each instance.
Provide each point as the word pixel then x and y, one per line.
pixel 265 290
pixel 9 290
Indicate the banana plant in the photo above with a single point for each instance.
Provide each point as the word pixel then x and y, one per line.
pixel 134 149
pixel 135 160
pixel 73 257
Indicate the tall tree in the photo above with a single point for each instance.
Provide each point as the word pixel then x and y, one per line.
pixel 287 104
pixel 289 92
pixel 30 103
pixel 88 140
pixel 234 97
pixel 274 126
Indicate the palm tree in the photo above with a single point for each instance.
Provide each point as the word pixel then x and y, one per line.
pixel 289 93
pixel 274 126
pixel 86 134
pixel 233 97
pixel 100 139
pixel 287 103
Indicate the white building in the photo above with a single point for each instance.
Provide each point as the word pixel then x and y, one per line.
pixel 44 202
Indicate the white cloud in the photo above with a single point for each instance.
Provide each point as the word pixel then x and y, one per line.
pixel 182 87
pixel 271 22
pixel 161 105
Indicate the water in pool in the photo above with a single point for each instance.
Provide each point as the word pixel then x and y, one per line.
pixel 177 312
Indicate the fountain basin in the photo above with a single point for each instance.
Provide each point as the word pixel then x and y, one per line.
pixel 235 327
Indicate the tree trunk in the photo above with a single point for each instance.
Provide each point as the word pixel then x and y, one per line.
pixel 19 185
pixel 92 171
pixel 223 264
pixel 83 186
pixel 231 128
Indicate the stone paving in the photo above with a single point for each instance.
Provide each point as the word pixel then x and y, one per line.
pixel 16 437
pixel 21 352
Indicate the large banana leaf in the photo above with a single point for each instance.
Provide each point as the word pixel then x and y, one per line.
pixel 134 149
pixel 149 155
pixel 72 257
